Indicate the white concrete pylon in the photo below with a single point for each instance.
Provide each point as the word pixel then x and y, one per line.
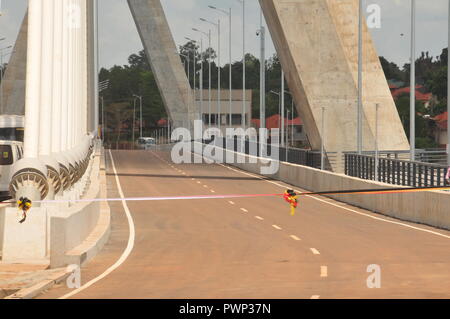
pixel 57 80
pixel 70 76
pixel 84 68
pixel 33 80
pixel 45 131
pixel 96 66
pixel 65 77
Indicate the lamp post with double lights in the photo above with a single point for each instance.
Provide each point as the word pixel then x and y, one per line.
pixel 219 98
pixel 279 109
pixel 412 115
pixel 102 86
pixel 194 52
pixel 244 106
pixel 200 111
pixel 189 81
pixel 230 53
pixel 140 106
pixel 292 116
pixel 208 34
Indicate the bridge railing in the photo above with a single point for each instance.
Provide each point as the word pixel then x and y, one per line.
pixel 395 171
pixel 285 154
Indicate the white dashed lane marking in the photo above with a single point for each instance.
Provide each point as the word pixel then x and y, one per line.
pixel 276 227
pixel 323 271
pixel 244 210
pixel 295 238
pixel 315 297
pixel 258 217
pixel 315 251
pixel 232 203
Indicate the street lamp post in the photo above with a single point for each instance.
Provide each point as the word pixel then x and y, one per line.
pixel 262 74
pixel 448 90
pixel 244 105
pixel 322 148
pixel 292 116
pixel 190 88
pixel 412 115
pixel 209 71
pixel 134 120
pixel 282 107
pixel 230 48
pixel 102 86
pixel 140 106
pixel 219 98
pixel 279 107
pixel 377 106
pixel 194 51
pixel 360 81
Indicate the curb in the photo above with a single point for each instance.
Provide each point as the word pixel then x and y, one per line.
pixel 37 289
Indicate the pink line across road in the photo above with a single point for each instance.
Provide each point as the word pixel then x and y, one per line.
pixel 136 199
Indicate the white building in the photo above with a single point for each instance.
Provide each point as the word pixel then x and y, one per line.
pixel 236 108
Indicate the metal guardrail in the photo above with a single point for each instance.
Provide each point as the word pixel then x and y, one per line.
pixel 394 171
pixel 286 154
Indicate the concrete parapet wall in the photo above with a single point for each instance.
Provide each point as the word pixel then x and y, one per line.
pixel 429 208
pixel 60 234
pixel 76 237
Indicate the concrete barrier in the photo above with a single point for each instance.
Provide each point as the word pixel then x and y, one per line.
pixel 79 235
pixel 61 234
pixel 429 208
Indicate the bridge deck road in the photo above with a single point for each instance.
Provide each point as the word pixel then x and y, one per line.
pixel 253 248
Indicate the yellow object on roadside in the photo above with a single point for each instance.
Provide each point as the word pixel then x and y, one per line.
pixel 24 205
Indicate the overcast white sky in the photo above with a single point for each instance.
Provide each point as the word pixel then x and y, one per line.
pixel 119 38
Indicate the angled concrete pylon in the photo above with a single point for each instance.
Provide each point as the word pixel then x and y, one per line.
pixel 317 42
pixel 165 62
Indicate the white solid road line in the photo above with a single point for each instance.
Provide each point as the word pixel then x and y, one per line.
pixel 342 207
pixel 295 238
pixel 315 251
pixel 128 249
pixel 323 271
pixel 276 227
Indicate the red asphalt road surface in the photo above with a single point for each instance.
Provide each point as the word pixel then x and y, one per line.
pixel 252 247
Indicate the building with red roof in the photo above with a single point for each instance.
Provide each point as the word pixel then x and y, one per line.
pixel 420 94
pixel 440 131
pixel 293 128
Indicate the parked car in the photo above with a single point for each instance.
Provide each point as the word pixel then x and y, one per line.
pixel 10 152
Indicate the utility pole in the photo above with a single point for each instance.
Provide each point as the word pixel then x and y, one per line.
pixel 262 76
pixel 377 106
pixel 448 90
pixel 413 83
pixel 322 150
pixel 282 106
pixel 360 81
pixel 244 103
